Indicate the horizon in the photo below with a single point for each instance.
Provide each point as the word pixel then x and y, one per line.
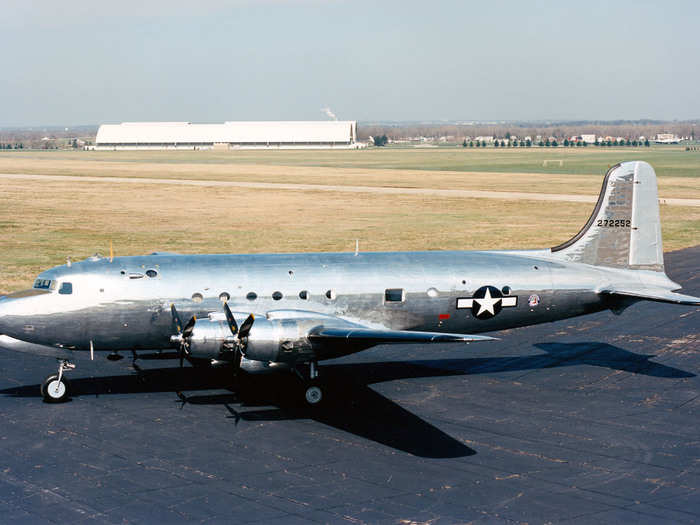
pixel 398 123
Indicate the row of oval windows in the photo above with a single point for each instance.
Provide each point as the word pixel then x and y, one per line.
pixel 252 296
pixel 390 295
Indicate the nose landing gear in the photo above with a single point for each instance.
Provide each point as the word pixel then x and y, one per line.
pixel 55 388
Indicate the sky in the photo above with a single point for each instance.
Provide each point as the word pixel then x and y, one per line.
pixel 71 62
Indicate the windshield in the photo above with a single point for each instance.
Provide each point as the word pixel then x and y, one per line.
pixel 44 284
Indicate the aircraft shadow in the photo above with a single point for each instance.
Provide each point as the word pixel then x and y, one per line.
pixel 352 405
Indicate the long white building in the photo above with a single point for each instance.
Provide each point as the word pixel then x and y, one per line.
pixel 229 135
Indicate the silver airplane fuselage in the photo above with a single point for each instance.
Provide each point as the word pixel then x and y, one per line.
pixel 124 303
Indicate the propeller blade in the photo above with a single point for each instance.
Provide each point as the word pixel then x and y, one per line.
pixel 231 320
pixel 187 331
pixel 176 318
pixel 246 326
pixel 184 335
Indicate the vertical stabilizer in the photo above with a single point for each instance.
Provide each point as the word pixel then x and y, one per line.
pixel 624 230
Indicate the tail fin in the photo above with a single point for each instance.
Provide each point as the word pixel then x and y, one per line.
pixel 624 230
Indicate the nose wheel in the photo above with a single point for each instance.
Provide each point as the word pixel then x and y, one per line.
pixel 55 388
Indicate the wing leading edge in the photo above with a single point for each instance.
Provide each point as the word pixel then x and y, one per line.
pixel 370 336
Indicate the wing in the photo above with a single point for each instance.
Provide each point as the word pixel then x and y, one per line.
pixel 332 329
pixel 368 336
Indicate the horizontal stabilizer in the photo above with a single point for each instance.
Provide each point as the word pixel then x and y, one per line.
pixel 654 294
pixel 376 337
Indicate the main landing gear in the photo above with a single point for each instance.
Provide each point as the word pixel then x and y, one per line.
pixel 55 388
pixel 313 392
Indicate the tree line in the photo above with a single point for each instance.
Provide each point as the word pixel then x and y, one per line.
pixel 629 130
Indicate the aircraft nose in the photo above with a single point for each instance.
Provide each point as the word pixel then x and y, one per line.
pixel 4 311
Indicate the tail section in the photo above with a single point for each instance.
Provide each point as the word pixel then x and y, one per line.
pixel 624 230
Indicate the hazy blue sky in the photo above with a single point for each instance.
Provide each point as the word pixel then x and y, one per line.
pixel 88 61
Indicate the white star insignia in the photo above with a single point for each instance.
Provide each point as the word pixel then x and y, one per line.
pixel 487 303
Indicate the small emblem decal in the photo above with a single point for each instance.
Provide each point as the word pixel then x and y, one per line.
pixel 487 302
pixel 534 300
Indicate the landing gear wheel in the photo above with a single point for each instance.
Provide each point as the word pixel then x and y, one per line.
pixel 313 395
pixel 54 390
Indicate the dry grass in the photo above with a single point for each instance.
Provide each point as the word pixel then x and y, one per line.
pixel 117 166
pixel 42 223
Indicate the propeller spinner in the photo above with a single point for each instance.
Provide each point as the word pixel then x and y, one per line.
pixel 182 338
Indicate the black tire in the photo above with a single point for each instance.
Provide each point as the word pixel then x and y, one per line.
pixel 53 392
pixel 314 394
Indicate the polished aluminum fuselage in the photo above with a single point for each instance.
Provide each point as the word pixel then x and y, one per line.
pixel 116 305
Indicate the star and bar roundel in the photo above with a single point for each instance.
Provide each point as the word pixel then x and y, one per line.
pixel 487 302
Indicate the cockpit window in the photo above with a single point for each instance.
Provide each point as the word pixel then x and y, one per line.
pixel 66 288
pixel 44 284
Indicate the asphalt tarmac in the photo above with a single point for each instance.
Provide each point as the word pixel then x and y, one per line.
pixel 590 420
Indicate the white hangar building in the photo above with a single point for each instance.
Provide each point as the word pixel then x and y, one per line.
pixel 229 135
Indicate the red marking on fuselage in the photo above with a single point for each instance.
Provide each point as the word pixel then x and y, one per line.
pixel 443 316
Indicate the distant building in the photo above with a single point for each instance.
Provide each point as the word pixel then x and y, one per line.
pixel 588 139
pixel 487 139
pixel 229 135
pixel 666 138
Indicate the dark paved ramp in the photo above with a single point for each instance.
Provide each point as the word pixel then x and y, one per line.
pixel 594 420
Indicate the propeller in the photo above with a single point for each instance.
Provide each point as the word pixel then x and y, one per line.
pixel 183 333
pixel 240 334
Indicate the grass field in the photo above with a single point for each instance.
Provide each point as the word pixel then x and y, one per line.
pixel 43 222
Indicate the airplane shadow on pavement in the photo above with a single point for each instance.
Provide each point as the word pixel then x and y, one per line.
pixel 351 404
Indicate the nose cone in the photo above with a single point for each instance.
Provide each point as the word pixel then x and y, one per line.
pixel 7 310
pixel 3 313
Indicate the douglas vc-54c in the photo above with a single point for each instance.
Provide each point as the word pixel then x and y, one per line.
pixel 290 311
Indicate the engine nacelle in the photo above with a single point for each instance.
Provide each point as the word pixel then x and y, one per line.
pixel 210 339
pixel 269 340
pixel 277 340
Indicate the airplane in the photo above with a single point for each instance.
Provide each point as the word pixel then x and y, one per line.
pixel 266 312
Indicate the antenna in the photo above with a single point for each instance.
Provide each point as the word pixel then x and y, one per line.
pixel 357 247
pixel 111 251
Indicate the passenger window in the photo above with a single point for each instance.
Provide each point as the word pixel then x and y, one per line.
pixel 66 288
pixel 394 295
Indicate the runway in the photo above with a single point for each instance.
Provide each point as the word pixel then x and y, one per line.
pixel 590 420
pixel 452 193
